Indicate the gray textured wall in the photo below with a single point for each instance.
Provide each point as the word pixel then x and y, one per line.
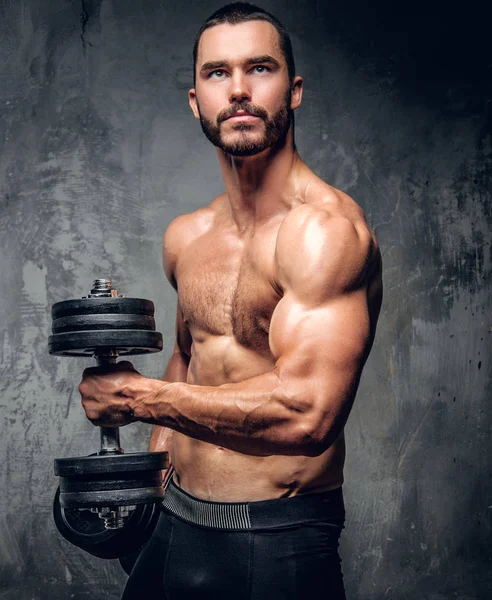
pixel 99 152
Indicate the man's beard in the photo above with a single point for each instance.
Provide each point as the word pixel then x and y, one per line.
pixel 276 128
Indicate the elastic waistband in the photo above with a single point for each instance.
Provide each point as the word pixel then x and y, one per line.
pixel 264 514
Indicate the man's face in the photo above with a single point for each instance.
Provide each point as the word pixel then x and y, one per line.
pixel 243 95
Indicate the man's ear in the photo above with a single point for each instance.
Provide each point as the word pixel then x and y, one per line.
pixel 193 103
pixel 297 88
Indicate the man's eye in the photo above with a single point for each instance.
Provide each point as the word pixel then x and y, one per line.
pixel 217 74
pixel 261 69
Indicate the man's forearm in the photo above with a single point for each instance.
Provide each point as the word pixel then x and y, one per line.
pixel 251 417
pixel 176 370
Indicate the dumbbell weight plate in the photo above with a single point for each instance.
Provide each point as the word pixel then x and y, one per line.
pixel 84 326
pixel 87 343
pixel 102 305
pixel 76 323
pixel 111 479
pixel 86 530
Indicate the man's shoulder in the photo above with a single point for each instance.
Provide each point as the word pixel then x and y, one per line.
pixel 327 227
pixel 329 210
pixel 188 226
pixel 334 202
pixel 183 230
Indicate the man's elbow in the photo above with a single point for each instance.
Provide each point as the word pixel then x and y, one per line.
pixel 312 426
pixel 313 438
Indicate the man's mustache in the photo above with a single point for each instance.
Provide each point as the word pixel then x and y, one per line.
pixel 252 109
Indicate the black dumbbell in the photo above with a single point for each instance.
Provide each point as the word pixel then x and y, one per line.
pixel 107 503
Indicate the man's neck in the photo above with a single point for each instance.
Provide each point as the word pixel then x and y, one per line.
pixel 258 187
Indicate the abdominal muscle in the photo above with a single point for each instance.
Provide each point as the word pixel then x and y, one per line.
pixel 218 474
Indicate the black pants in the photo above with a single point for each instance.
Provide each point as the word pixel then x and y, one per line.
pixel 285 548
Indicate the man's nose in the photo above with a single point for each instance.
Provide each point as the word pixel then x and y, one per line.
pixel 239 91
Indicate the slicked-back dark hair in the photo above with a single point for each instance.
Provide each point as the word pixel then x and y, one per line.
pixel 241 12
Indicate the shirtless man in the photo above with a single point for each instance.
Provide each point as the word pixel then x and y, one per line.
pixel 279 290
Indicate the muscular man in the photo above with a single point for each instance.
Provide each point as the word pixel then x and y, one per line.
pixel 279 289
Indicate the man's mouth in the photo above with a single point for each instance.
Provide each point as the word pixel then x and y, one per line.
pixel 242 117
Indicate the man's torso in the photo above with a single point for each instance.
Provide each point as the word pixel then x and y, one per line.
pixel 227 292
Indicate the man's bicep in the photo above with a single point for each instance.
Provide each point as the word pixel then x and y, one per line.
pixel 319 352
pixel 320 329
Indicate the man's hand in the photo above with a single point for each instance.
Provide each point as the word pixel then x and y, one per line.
pixel 111 393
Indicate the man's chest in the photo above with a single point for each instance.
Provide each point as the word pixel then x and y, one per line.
pixel 226 288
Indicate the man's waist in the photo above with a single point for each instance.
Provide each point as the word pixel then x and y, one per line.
pixel 221 475
pixel 324 507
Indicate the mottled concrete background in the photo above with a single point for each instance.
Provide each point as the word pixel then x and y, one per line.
pixel 99 152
